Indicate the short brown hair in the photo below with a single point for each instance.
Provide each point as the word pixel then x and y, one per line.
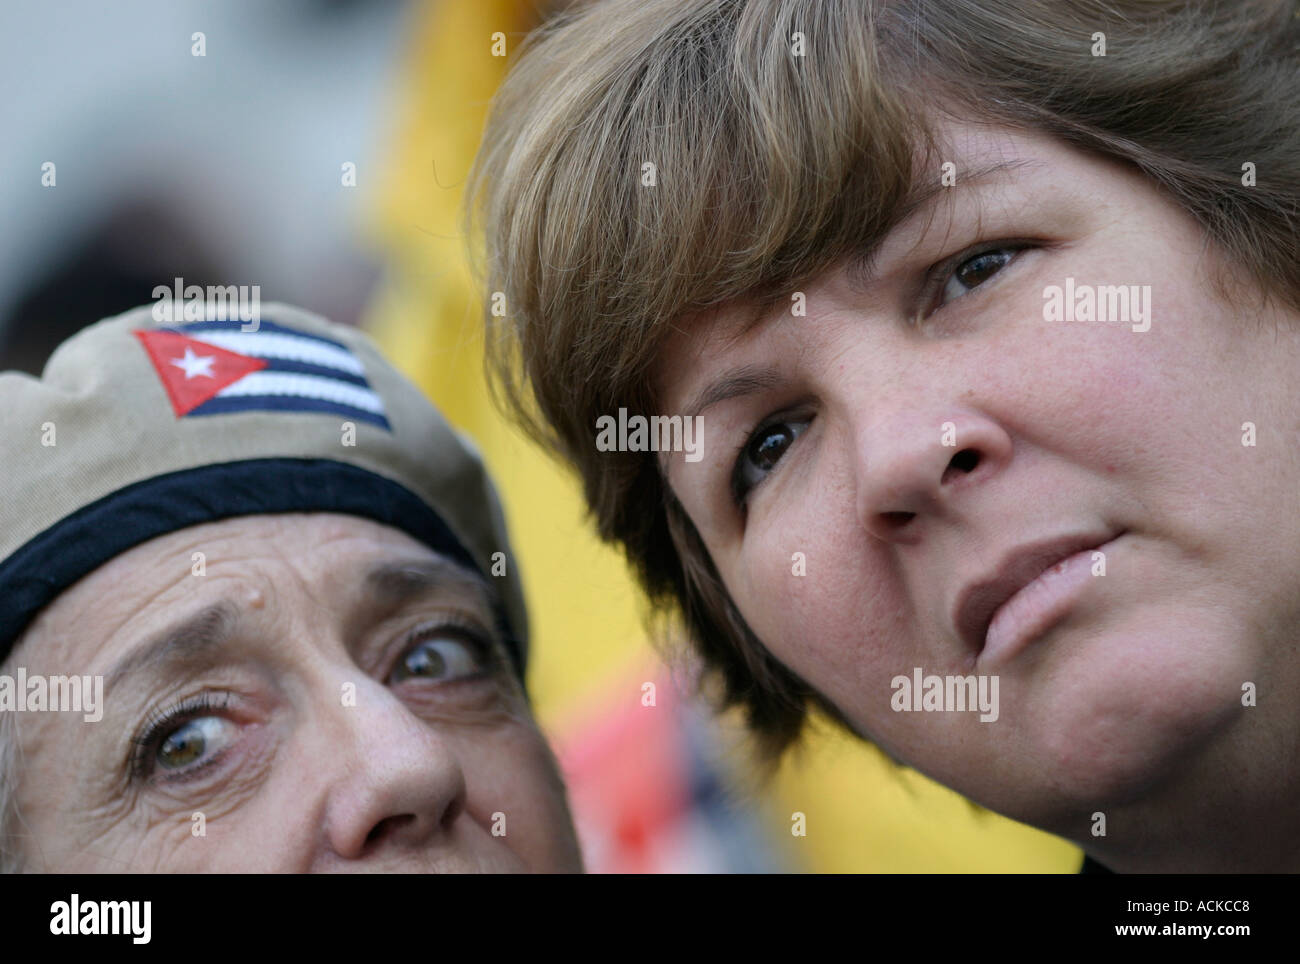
pixel 771 167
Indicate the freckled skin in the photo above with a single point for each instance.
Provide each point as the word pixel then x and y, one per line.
pixel 1131 704
pixel 407 779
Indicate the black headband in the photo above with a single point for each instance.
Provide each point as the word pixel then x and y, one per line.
pixel 34 575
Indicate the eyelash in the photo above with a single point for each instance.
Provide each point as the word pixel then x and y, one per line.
pixel 932 285
pixel 161 722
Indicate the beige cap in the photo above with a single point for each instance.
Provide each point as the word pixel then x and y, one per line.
pixel 140 426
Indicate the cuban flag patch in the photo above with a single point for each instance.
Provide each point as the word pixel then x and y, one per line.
pixel 215 368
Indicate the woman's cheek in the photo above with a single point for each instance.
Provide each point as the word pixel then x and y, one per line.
pixel 802 589
pixel 770 585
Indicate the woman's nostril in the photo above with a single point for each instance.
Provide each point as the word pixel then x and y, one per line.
pixel 896 520
pixel 387 825
pixel 964 462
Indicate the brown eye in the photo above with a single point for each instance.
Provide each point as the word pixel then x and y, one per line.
pixel 974 271
pixel 768 446
pixel 761 453
pixel 982 267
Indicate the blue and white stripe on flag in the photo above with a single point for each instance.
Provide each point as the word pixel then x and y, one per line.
pixel 302 373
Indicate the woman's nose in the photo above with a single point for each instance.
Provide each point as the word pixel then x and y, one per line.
pixel 915 465
pixel 396 782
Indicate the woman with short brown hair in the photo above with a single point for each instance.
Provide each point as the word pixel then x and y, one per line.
pixel 990 313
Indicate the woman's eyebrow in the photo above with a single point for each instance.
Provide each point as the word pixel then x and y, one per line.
pixel 393 585
pixel 396 583
pixel 195 638
pixel 930 190
pixel 735 383
pixel 862 267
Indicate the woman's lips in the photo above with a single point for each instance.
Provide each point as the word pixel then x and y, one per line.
pixel 1036 607
pixel 1031 591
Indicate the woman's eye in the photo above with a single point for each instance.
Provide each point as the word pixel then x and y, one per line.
pixel 761 453
pixel 193 740
pixel 974 271
pixel 441 657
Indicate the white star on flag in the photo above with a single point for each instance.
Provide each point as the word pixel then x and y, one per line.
pixel 193 364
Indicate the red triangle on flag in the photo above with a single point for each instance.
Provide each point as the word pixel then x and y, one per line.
pixel 193 371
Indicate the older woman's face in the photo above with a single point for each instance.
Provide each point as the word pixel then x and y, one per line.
pixel 328 694
pixel 931 444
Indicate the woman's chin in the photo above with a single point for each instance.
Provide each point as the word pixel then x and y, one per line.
pixel 1132 712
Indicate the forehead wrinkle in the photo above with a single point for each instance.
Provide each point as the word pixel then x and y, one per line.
pixel 152 571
